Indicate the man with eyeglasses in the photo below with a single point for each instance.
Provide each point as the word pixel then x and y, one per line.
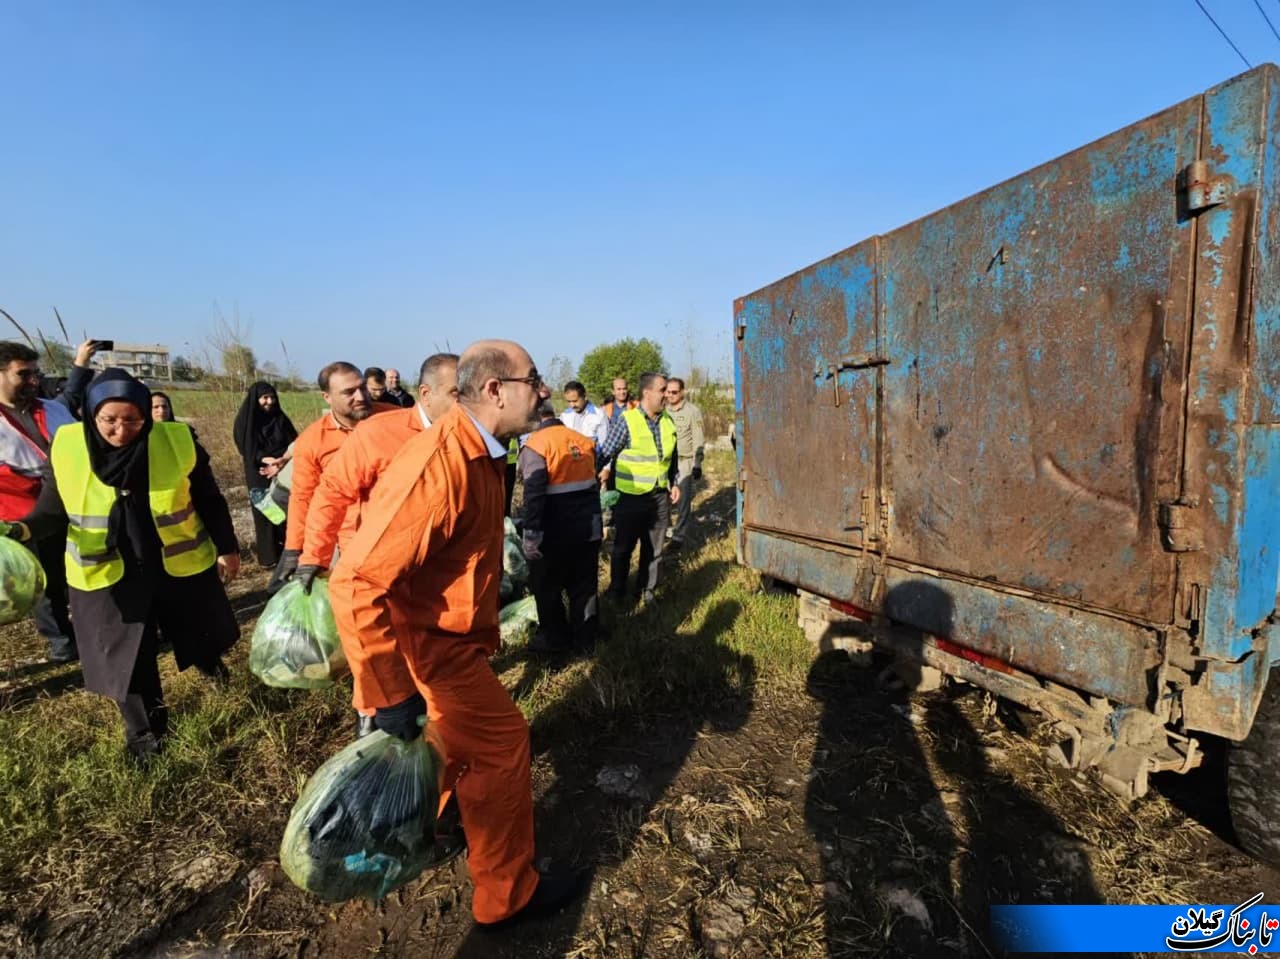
pixel 419 581
pixel 27 425
pixel 690 443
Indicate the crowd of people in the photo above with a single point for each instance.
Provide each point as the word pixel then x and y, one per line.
pixel 400 499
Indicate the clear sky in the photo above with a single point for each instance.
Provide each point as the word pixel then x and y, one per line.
pixel 372 181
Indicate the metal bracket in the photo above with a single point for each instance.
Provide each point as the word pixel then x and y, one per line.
pixel 1203 190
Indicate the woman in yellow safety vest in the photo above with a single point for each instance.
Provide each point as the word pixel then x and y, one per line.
pixel 149 545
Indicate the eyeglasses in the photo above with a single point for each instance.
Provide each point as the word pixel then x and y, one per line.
pixel 110 423
pixel 533 380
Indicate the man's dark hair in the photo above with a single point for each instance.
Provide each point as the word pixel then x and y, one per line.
pixel 576 387
pixel 341 366
pixel 646 380
pixel 675 379
pixel 10 351
pixel 429 372
pixel 482 365
pixel 375 373
pixel 547 411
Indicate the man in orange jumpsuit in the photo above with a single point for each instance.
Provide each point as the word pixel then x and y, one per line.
pixel 348 399
pixel 344 488
pixel 421 576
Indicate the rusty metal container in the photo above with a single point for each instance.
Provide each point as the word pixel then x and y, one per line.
pixel 1038 429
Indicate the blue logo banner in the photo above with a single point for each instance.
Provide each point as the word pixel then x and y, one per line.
pixel 1250 927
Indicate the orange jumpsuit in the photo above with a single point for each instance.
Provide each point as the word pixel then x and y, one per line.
pixel 334 515
pixel 421 576
pixel 311 452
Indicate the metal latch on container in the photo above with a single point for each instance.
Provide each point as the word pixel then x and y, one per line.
pixel 1202 188
pixel 864 361
pixel 1179 529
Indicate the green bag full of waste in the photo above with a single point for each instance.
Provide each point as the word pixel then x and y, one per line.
pixel 21 581
pixel 295 643
pixel 515 568
pixel 365 822
pixel 609 499
pixel 516 619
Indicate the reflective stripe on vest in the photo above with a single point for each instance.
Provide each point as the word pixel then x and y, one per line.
pixel 640 466
pixel 570 456
pixel 186 548
pixel 513 452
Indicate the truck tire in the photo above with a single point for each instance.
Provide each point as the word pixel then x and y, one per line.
pixel 1253 780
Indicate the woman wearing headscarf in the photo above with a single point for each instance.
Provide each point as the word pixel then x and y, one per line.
pixel 162 408
pixel 149 546
pixel 263 433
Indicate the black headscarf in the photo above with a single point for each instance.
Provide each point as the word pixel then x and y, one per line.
pixel 123 467
pixel 260 433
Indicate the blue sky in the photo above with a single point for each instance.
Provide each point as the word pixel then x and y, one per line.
pixel 373 181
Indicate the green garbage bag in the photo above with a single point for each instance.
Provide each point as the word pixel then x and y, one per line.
pixel 295 643
pixel 515 568
pixel 21 581
pixel 516 619
pixel 609 499
pixel 365 822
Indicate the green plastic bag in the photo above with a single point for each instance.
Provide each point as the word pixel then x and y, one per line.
pixel 295 643
pixel 516 619
pixel 609 499
pixel 365 822
pixel 515 568
pixel 21 581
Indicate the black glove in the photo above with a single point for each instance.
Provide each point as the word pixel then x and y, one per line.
pixel 403 719
pixel 288 564
pixel 306 575
pixel 697 473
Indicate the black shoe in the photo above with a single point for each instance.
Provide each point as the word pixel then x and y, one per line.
pixel 675 545
pixel 554 892
pixel 217 673
pixel 451 842
pixel 543 645
pixel 64 652
pixel 364 725
pixel 142 750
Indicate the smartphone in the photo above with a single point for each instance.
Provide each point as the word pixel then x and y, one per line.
pixel 105 345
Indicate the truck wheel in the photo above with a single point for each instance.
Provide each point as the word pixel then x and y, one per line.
pixel 1253 780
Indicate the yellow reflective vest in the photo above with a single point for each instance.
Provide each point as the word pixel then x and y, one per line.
pixel 640 467
pixel 171 456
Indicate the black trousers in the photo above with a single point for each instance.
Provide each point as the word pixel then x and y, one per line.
pixel 639 519
pixel 53 619
pixel 511 486
pixel 144 710
pixel 269 539
pixel 570 569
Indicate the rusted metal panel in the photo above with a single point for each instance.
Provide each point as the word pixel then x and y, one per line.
pixel 1063 392
pixel 1070 643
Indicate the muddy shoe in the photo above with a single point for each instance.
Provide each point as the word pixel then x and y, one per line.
pixel 142 750
pixel 62 649
pixel 555 891
pixel 217 673
pixel 543 644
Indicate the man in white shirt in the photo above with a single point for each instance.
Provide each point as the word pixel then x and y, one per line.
pixel 580 414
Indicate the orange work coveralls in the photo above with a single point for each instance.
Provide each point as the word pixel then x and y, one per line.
pixel 312 451
pixel 421 576
pixel 334 515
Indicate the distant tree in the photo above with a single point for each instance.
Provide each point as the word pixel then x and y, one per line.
pixel 559 372
pixel 270 372
pixel 627 358
pixel 55 357
pixel 184 371
pixel 239 363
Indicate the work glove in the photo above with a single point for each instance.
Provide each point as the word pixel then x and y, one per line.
pixel 403 719
pixel 288 564
pixel 531 542
pixel 306 575
pixel 697 473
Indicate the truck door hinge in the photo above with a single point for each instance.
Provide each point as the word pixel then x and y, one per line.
pixel 1202 188
pixel 1180 529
